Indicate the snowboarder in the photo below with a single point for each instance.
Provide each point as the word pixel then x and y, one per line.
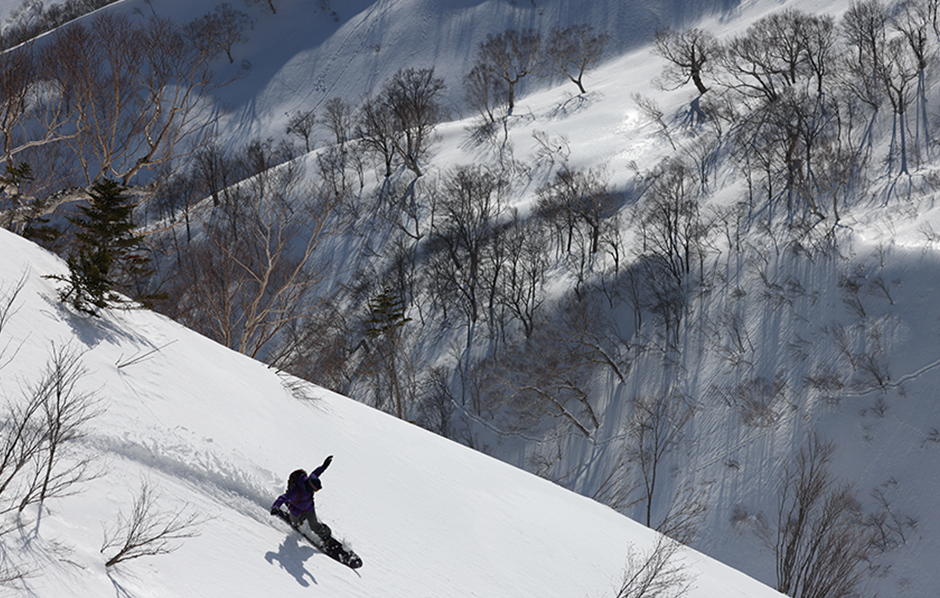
pixel 299 498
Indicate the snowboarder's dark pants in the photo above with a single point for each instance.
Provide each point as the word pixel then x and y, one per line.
pixel 320 529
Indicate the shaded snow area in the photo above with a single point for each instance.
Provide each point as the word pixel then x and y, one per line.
pixel 836 335
pixel 215 433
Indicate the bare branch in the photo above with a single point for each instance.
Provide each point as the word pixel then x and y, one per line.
pixel 656 573
pixel 147 531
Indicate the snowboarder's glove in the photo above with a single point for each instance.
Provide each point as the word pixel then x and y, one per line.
pixel 326 463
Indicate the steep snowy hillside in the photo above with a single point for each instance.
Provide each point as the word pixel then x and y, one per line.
pixel 794 329
pixel 216 433
pixel 306 54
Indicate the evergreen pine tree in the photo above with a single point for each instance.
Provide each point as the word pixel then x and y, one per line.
pixel 106 249
pixel 387 313
pixel 386 318
pixel 24 215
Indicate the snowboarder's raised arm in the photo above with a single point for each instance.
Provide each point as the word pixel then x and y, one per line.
pixel 326 463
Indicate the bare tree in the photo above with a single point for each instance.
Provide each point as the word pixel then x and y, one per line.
pixel 690 55
pixel 301 124
pixel 148 531
pixel 820 542
pixel 20 68
pixel 333 170
pixel 657 573
pixel 38 437
pixel 65 413
pixel 213 171
pixel 219 30
pixel 8 308
pixel 575 49
pixel 375 129
pixel 338 119
pixel 21 442
pixel 511 55
pixel 654 431
pixel 32 122
pixel 864 28
pixel 483 91
pixel 899 70
pixel 912 21
pixel 413 99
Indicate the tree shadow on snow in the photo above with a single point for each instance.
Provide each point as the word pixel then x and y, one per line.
pixel 120 591
pixel 291 556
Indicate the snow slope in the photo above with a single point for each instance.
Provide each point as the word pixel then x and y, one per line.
pixel 217 432
pixel 393 478
pixel 303 56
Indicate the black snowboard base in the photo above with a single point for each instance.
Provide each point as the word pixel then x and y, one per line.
pixel 332 547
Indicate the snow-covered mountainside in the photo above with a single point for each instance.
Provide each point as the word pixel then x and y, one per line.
pixel 795 329
pixel 215 434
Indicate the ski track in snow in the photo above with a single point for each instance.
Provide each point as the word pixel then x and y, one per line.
pixel 382 8
pixel 204 469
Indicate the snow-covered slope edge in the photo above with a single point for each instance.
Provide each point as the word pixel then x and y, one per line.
pixel 218 432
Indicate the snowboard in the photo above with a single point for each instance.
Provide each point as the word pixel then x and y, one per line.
pixel 332 548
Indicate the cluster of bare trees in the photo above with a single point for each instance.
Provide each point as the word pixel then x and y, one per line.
pixel 552 372
pixel 37 440
pixel 395 125
pixel 655 430
pixel 250 273
pixel 34 17
pixel 480 267
pixel 505 59
pixel 802 93
pixel 247 272
pixel 110 98
pixel 39 432
pixel 41 456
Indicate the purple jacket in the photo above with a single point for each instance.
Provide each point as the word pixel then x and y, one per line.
pixel 299 497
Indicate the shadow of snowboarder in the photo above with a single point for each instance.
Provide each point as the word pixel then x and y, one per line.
pixel 291 556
